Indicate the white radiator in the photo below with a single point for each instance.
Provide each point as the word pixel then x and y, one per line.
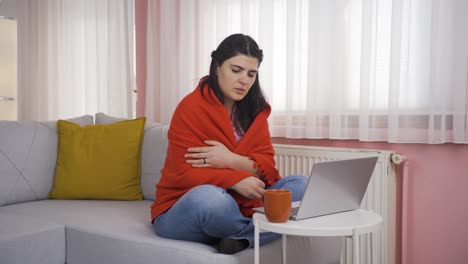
pixel 380 195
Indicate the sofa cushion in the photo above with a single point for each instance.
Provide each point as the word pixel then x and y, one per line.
pixel 120 232
pixel 153 156
pixel 101 118
pixel 153 153
pixel 28 153
pixel 99 162
pixel 29 240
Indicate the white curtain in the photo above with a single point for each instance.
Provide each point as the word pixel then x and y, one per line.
pixel 75 58
pixel 373 70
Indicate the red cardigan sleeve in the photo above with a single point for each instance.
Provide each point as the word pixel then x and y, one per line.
pixel 195 120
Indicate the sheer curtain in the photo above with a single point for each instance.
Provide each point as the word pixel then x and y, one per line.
pixel 75 58
pixel 382 70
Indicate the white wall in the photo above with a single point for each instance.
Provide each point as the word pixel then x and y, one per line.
pixel 18 10
pixel 8 51
pixel 8 8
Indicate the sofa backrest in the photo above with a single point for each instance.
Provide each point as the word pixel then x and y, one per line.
pixel 28 156
pixel 153 155
pixel 28 153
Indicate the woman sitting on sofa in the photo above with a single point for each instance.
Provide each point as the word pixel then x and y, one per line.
pixel 220 158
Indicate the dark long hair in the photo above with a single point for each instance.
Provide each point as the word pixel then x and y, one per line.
pixel 245 110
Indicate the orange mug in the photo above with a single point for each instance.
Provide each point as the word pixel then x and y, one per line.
pixel 277 205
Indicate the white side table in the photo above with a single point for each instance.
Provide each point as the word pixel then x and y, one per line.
pixel 347 224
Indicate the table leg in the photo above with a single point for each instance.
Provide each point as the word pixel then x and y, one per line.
pixel 285 242
pixel 257 242
pixel 356 250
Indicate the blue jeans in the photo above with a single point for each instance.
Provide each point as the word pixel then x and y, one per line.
pixel 208 213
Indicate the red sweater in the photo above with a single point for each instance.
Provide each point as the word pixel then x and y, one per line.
pixel 195 120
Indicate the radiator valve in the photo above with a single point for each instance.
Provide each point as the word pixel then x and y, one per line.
pixel 397 159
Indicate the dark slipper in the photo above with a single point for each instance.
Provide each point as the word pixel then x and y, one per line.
pixel 231 246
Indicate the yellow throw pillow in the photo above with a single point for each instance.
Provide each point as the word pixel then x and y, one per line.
pixel 99 161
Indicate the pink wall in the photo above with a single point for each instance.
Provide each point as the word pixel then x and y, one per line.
pixel 436 215
pixel 436 219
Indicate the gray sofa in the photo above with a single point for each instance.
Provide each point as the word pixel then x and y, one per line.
pixel 38 230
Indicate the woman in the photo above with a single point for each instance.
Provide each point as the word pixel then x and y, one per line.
pixel 220 157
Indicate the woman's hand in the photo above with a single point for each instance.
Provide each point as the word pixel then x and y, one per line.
pixel 215 155
pixel 250 187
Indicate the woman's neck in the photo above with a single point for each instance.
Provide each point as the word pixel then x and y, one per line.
pixel 229 105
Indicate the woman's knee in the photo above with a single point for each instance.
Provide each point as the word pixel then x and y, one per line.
pixel 208 199
pixel 201 192
pixel 295 183
pixel 202 204
pixel 297 177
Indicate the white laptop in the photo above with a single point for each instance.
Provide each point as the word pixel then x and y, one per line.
pixel 333 187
